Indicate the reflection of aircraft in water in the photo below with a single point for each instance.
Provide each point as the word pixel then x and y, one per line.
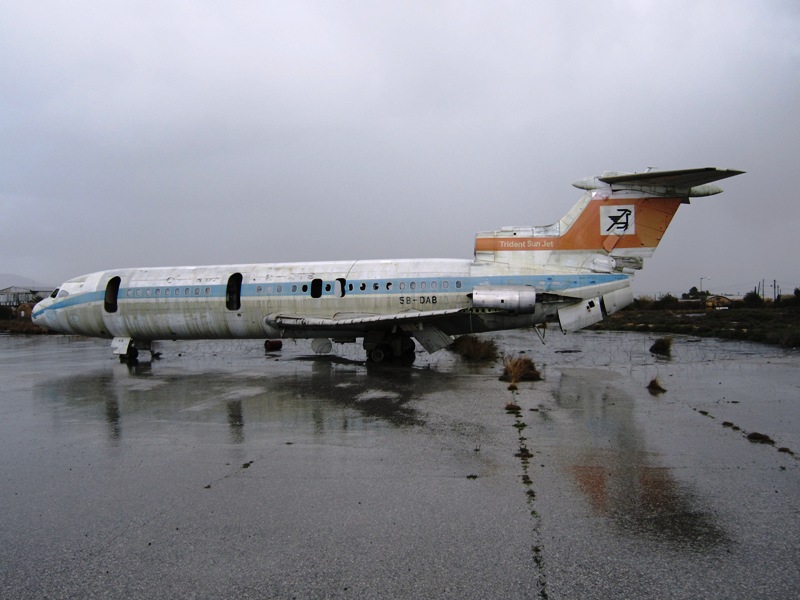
pixel 616 472
pixel 334 396
pixel 574 271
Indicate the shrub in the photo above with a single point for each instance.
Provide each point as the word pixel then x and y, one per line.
pixel 752 299
pixel 642 303
pixel 474 348
pixel 666 301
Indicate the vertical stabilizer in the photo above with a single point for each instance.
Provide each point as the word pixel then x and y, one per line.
pixel 618 222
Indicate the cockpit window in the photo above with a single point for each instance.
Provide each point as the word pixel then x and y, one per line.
pixel 55 293
pixel 63 293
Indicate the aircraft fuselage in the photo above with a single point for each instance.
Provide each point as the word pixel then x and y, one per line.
pixel 243 301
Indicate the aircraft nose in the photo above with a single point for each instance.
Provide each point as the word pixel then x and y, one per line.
pixel 38 313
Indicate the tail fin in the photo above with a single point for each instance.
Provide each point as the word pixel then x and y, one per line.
pixel 618 222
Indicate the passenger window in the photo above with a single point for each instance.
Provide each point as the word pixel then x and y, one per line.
pixel 375 286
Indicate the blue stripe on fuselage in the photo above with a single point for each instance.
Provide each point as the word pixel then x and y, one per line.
pixel 541 283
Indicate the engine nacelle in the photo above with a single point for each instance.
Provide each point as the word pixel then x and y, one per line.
pixel 513 298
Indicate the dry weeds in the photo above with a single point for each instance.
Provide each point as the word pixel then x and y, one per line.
pixel 473 348
pixel 519 368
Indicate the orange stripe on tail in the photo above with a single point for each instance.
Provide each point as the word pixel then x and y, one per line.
pixel 604 225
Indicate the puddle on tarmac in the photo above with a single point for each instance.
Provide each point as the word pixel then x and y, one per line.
pixel 616 477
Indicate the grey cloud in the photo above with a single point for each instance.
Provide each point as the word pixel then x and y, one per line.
pixel 174 133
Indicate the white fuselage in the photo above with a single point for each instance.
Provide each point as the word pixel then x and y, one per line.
pixel 201 303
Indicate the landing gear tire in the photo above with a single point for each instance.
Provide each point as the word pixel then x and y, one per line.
pixel 381 353
pixel 378 354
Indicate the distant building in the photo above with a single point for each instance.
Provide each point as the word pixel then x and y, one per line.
pixel 14 296
pixel 717 302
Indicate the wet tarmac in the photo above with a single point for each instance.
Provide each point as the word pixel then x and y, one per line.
pixel 222 472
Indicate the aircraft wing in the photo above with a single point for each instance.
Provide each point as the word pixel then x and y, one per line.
pixel 420 324
pixel 348 319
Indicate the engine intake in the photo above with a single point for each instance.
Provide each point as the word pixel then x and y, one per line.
pixel 513 298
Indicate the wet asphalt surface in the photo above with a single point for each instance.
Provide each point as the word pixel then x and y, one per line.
pixel 222 472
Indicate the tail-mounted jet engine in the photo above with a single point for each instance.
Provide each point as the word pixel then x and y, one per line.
pixel 520 299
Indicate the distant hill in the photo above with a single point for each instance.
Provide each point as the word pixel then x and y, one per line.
pixel 10 279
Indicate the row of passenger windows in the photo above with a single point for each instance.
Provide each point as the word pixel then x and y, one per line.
pixel 294 288
pixel 148 292
pixel 363 287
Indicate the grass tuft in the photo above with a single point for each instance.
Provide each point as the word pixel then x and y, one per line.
pixel 519 368
pixel 662 346
pixel 760 438
pixel 654 387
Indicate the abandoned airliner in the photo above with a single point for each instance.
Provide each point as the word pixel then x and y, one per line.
pixel 573 272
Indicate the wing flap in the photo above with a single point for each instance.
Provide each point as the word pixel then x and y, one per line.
pixel 349 319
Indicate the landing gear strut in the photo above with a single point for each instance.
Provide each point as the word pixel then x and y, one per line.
pixel 131 357
pixel 128 349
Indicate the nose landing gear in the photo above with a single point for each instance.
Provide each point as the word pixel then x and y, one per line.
pixel 127 349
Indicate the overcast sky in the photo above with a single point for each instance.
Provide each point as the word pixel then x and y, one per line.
pixel 154 133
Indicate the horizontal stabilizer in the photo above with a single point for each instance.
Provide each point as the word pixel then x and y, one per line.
pixel 684 182
pixel 682 178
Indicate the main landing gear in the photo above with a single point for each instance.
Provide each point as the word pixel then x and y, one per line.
pixel 395 347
